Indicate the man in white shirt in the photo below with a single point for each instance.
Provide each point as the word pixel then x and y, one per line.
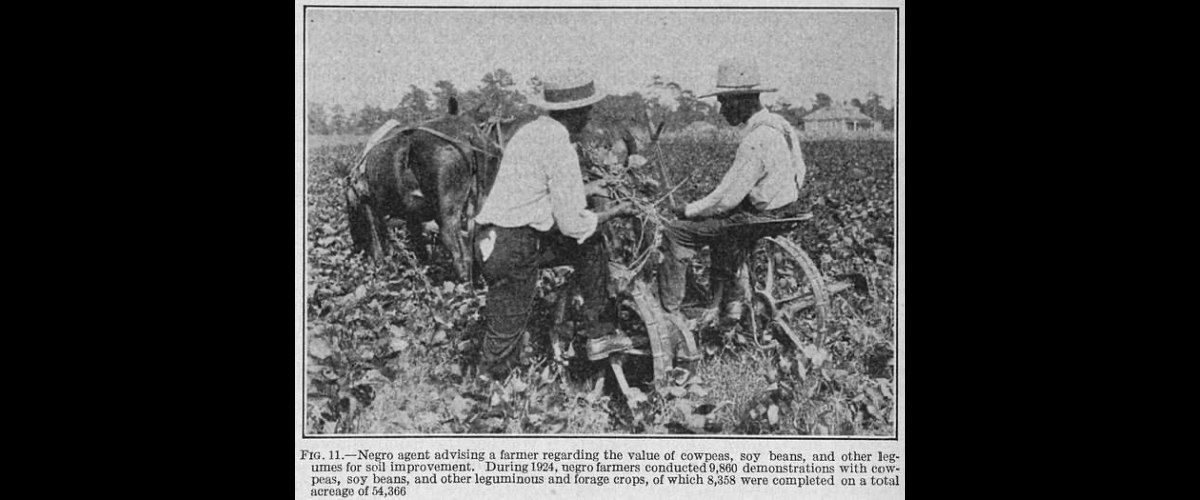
pixel 764 182
pixel 536 216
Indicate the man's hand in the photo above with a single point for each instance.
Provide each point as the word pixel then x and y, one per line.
pixel 679 210
pixel 622 209
pixel 596 188
pixel 619 209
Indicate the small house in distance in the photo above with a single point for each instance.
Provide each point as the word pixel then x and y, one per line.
pixel 838 117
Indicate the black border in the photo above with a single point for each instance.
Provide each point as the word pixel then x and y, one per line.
pixel 304 230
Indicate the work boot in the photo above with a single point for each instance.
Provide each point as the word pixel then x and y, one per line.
pixel 600 347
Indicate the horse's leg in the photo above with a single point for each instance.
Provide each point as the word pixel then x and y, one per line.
pixel 452 184
pixel 379 233
pixel 416 236
pixel 358 227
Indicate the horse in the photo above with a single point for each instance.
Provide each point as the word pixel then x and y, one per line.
pixel 439 170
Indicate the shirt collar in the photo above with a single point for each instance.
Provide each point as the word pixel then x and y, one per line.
pixel 759 117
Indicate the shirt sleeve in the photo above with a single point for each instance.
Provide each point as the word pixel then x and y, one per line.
pixel 567 201
pixel 747 169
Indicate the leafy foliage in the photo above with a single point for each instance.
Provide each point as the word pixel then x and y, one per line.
pixel 497 94
pixel 391 347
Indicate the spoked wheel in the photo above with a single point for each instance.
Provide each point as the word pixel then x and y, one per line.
pixel 789 296
pixel 658 339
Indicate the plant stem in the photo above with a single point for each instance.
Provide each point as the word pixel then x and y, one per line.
pixel 670 194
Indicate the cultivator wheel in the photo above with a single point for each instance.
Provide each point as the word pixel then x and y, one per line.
pixel 657 335
pixel 789 294
pixel 670 336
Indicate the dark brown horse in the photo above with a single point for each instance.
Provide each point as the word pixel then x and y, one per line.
pixel 439 170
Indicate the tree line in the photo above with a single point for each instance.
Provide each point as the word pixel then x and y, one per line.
pixel 497 95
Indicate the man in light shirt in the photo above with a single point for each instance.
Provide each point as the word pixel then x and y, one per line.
pixel 764 182
pixel 536 216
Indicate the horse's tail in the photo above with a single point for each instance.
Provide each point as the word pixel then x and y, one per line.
pixel 401 160
pixel 356 195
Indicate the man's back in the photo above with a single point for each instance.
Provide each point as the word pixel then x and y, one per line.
pixel 539 183
pixel 767 171
pixel 775 142
pixel 518 196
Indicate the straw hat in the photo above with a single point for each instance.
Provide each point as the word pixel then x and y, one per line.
pixel 567 89
pixel 737 77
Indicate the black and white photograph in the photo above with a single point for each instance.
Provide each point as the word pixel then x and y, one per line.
pixel 600 221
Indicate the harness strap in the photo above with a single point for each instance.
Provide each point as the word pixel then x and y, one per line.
pixel 787 138
pixel 457 142
pixel 495 125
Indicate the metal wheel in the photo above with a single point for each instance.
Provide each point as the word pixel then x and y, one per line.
pixel 658 337
pixel 788 297
pixel 654 344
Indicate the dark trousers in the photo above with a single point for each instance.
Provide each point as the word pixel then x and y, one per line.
pixel 512 274
pixel 730 238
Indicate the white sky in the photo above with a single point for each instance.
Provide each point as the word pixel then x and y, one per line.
pixel 371 56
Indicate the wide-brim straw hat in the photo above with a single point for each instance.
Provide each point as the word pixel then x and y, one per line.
pixel 737 77
pixel 568 89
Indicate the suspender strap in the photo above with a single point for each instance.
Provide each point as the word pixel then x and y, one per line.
pixel 787 138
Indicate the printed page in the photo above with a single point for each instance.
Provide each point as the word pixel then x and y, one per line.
pixel 756 351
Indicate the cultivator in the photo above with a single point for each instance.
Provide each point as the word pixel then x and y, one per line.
pixel 789 299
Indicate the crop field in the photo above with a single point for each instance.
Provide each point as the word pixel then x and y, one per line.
pixel 391 346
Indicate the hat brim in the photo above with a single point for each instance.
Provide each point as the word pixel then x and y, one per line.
pixel 559 106
pixel 741 91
